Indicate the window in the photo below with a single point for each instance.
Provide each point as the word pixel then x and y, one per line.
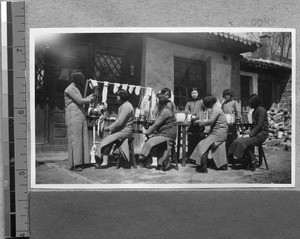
pixel 108 67
pixel 39 69
pixel 187 74
pixel 245 91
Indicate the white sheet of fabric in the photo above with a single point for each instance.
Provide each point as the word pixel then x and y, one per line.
pixel 130 90
pixel 104 91
pixel 172 96
pixel 137 90
pixel 145 104
pixel 93 84
pixel 116 87
pixel 148 91
pixel 153 103
pixel 124 86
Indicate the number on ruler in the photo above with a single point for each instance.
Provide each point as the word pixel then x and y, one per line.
pixel 22 173
pixel 20 112
pixel 19 50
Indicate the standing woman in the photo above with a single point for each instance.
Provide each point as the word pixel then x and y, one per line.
pixel 120 129
pixel 215 139
pixel 231 106
pixel 163 131
pixel 195 106
pixel 78 143
pixel 242 147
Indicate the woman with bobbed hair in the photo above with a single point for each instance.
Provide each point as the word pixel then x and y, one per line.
pixel 77 130
pixel 160 135
pixel 194 107
pixel 231 104
pixel 233 107
pixel 120 129
pixel 215 140
pixel 166 91
pixel 242 148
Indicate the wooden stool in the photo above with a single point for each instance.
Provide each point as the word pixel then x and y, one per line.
pixel 132 159
pixel 172 154
pixel 261 155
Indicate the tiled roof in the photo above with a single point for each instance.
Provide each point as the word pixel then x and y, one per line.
pixel 265 64
pixel 238 38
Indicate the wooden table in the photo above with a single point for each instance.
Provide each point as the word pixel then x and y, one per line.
pixel 181 135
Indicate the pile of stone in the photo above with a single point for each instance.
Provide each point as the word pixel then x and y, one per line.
pixel 280 128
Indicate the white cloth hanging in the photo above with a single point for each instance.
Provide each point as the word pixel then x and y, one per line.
pixel 116 87
pixel 104 91
pixel 153 103
pixel 124 86
pixel 93 84
pixel 145 104
pixel 172 96
pixel 137 90
pixel 130 90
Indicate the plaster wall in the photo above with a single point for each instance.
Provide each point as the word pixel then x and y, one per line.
pixel 158 65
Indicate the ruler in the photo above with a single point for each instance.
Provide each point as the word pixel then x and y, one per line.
pixel 14 120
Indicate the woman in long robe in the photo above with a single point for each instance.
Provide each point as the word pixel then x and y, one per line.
pixel 233 107
pixel 161 134
pixel 78 143
pixel 120 130
pixel 194 107
pixel 216 138
pixel 242 148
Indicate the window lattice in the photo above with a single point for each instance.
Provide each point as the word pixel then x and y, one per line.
pixel 39 69
pixel 108 67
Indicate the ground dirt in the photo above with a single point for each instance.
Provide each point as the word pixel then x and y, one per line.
pixel 52 168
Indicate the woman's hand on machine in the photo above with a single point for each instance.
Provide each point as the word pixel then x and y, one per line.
pixel 90 97
pixel 106 129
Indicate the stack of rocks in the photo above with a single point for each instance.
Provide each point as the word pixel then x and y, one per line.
pixel 280 128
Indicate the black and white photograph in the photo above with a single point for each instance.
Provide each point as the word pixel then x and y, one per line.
pixel 149 119
pixel 162 107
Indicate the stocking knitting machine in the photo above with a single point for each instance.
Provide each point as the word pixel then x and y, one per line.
pixel 96 113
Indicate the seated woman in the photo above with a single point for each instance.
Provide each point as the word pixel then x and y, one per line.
pixel 160 134
pixel 195 107
pixel 120 129
pixel 170 103
pixel 214 141
pixel 241 148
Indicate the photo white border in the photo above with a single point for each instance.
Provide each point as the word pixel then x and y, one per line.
pixel 35 32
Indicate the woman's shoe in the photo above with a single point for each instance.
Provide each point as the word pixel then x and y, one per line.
pixel 76 168
pixel 158 167
pixel 148 164
pixel 253 165
pixel 224 167
pixel 201 169
pixel 99 166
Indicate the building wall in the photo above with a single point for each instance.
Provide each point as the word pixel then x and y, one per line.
pixel 158 65
pixel 274 88
pixel 235 76
pixel 286 97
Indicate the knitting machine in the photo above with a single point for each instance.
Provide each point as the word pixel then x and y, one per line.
pixel 96 112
